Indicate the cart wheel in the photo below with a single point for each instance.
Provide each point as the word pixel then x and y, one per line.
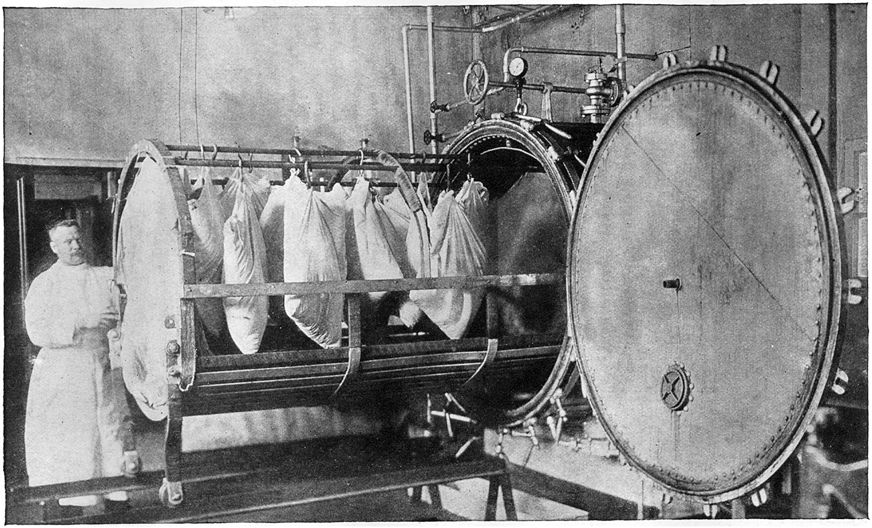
pixel 171 493
pixel 131 464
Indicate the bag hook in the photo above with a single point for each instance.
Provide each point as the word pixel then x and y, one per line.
pixel 214 151
pixel 250 160
pixel 202 152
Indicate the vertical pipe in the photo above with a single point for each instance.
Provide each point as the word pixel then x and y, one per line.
pixel 832 97
pixel 22 238
pixel 406 64
pixel 620 31
pixel 431 59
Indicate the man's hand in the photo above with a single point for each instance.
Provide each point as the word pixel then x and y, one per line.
pixel 104 320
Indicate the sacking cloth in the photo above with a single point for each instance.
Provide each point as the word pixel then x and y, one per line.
pixel 257 184
pixel 244 261
pixel 455 249
pixel 314 250
pixel 379 238
pixel 208 223
pixel 147 265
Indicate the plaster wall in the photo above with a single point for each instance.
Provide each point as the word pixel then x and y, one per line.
pixel 83 85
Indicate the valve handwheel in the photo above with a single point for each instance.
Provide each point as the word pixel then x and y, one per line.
pixel 475 82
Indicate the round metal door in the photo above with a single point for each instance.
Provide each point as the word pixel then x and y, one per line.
pixel 704 280
pixel 530 206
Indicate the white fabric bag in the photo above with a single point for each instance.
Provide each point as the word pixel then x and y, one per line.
pixel 244 261
pixel 257 184
pixel 455 250
pixel 208 223
pixel 314 236
pixel 272 222
pixel 473 199
pixel 377 241
pixel 148 268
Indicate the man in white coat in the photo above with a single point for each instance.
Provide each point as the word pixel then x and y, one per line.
pixel 74 421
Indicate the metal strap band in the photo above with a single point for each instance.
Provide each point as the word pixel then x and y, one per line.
pixel 492 347
pixel 351 372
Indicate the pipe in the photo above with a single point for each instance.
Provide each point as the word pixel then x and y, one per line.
pixel 446 29
pixel 313 165
pixel 559 51
pixel 211 149
pixel 407 70
pixel 540 87
pixel 431 28
pixel 431 62
pixel 620 31
pixel 516 18
pixel 22 238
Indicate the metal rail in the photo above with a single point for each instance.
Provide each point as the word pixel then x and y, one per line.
pixel 310 165
pixel 217 149
pixel 199 291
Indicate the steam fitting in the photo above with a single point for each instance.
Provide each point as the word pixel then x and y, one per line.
pixel 603 92
pixel 430 137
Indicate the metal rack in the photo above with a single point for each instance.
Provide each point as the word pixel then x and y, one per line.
pixel 198 383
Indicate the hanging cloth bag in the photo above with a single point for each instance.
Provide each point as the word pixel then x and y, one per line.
pixel 314 250
pixel 208 224
pixel 455 250
pixel 244 261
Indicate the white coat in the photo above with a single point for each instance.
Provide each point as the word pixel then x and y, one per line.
pixel 72 425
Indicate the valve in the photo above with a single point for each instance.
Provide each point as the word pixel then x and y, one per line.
pixel 429 137
pixel 604 92
pixel 475 82
pixel 436 107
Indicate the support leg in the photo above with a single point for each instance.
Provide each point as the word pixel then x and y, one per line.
pixel 416 494
pixel 508 498
pixel 171 489
pixel 490 512
pixel 738 510
pixel 435 497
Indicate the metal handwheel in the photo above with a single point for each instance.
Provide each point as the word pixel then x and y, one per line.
pixel 475 82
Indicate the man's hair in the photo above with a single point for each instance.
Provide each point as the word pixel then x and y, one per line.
pixel 61 223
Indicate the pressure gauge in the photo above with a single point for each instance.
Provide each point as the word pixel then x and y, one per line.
pixel 518 67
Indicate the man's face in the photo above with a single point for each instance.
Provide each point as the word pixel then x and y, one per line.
pixel 65 244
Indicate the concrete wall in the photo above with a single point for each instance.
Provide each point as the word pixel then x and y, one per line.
pixel 820 50
pixel 86 84
pixel 752 34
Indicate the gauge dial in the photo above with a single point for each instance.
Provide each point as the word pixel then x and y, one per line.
pixel 518 67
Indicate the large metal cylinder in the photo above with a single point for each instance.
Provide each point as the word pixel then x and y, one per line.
pixel 513 356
